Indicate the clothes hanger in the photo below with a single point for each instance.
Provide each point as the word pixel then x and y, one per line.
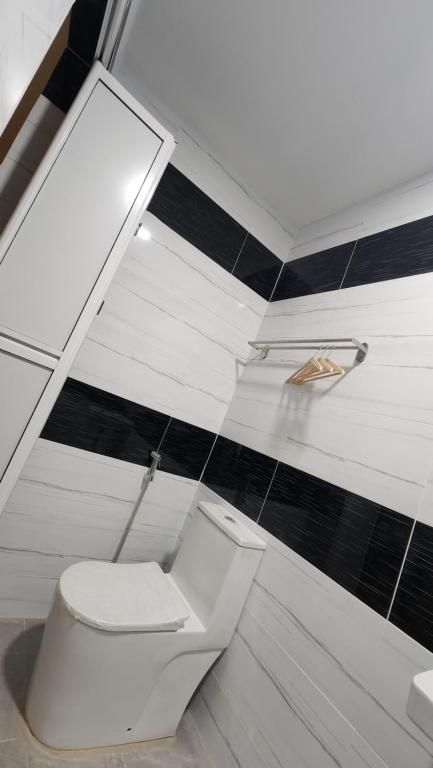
pixel 313 365
pixel 331 369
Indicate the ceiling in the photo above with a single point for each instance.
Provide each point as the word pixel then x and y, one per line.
pixel 313 105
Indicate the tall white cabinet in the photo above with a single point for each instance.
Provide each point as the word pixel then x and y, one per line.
pixel 62 247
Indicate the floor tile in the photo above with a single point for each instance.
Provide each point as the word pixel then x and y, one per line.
pixel 13 754
pixel 19 643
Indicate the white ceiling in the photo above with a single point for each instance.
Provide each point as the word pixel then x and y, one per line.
pixel 312 104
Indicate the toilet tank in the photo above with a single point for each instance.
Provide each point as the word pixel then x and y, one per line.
pixel 216 564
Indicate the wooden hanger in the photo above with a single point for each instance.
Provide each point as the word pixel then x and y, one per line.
pixel 318 367
pixel 331 369
pixel 312 366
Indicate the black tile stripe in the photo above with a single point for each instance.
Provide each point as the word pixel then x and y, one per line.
pixel 354 541
pixel 185 208
pixel 185 449
pixel 189 212
pixel 94 420
pixel 322 271
pixel 257 267
pixel 240 475
pixel 397 252
pixel 412 609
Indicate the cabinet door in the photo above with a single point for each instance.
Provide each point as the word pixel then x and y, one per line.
pixel 58 252
pixel 21 385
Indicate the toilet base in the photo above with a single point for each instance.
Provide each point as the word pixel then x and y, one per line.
pixel 92 688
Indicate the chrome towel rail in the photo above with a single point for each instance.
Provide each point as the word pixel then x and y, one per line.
pixel 264 346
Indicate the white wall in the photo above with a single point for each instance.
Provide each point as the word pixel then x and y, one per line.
pixel 173 331
pixel 372 431
pixel 313 676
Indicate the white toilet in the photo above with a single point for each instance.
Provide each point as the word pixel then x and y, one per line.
pixel 125 646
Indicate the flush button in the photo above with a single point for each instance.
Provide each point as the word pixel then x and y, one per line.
pixel 230 519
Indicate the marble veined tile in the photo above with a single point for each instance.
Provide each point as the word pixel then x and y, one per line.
pixel 407 202
pixel 160 519
pixel 179 352
pixel 365 431
pixel 359 661
pixel 290 722
pixel 70 505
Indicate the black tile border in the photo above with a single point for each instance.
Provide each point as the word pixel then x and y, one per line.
pixel 183 207
pixel 320 272
pixel 188 211
pixel 94 420
pixel 240 475
pixel 393 253
pixel 412 609
pixel 185 449
pixel 356 542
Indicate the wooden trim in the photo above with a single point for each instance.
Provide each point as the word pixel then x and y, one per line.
pixel 35 88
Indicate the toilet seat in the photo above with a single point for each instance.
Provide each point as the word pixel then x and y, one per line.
pixel 123 597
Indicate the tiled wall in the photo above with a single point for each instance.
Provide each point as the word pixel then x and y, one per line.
pixel 158 369
pixel 25 154
pixel 337 475
pixel 313 677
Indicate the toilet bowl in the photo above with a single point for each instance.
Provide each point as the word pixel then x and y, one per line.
pixel 126 645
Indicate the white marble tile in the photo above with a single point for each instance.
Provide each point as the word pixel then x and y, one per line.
pixel 360 662
pixel 370 431
pixel 213 734
pixel 407 202
pixel 70 505
pixel 274 713
pixel 425 508
pixel 178 351
pixel 160 519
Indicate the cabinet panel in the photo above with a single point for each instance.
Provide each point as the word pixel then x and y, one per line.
pixel 63 242
pixel 21 385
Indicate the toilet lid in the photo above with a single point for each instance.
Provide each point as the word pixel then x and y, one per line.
pixel 118 597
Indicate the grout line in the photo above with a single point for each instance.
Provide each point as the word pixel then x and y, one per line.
pixel 276 282
pixel 170 419
pixel 348 265
pixel 241 249
pixel 401 570
pixel 267 493
pixel 209 455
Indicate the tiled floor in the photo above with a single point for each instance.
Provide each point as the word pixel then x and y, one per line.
pixel 19 641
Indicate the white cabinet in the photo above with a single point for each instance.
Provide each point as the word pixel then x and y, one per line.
pixel 66 237
pixel 61 248
pixel 22 383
